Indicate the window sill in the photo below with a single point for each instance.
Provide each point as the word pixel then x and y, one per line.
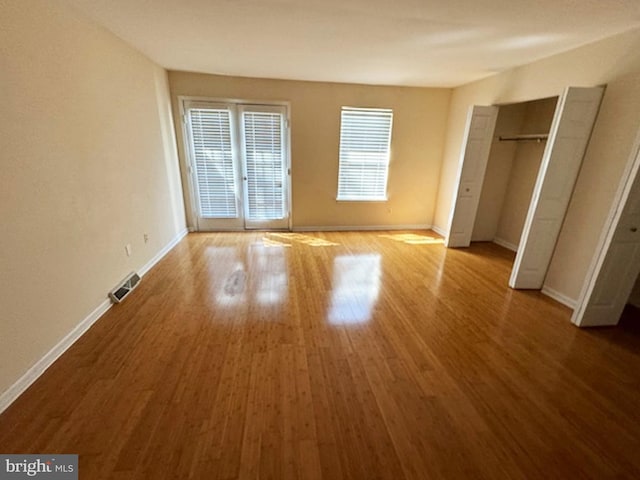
pixel 379 200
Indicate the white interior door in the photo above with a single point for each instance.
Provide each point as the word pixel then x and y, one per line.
pixel 570 132
pixel 265 167
pixel 481 122
pixel 238 164
pixel 617 264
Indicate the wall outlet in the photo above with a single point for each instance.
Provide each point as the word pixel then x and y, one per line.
pixel 127 248
pixel 146 237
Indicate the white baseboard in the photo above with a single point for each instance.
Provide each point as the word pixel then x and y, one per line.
pixel 505 244
pixel 166 249
pixel 31 375
pixel 440 231
pixel 346 228
pixel 559 297
pixel 24 382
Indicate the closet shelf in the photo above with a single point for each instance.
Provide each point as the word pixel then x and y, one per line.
pixel 524 137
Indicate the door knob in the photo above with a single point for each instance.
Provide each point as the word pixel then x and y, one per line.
pixel 634 229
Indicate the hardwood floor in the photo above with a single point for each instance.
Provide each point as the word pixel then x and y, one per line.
pixel 339 355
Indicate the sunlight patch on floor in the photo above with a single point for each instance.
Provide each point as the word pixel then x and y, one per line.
pixel 302 238
pixel 270 242
pixel 414 239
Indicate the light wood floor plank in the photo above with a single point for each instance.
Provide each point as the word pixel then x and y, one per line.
pixel 351 355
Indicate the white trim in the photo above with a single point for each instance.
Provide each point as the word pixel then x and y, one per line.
pixel 186 170
pixel 625 185
pixel 230 229
pixel 347 228
pixel 18 388
pixel 503 243
pixel 559 297
pixel 31 375
pixel 440 231
pixel 166 249
pixel 237 101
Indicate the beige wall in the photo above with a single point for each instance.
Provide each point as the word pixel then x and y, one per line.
pixel 418 134
pixel 526 164
pixel 88 165
pixel 615 62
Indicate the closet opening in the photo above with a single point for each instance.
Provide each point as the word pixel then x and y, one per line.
pixel 514 185
pixel 514 161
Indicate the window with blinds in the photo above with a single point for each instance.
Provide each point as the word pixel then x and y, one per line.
pixel 264 164
pixel 365 144
pixel 213 161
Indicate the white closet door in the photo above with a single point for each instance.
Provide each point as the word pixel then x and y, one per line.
pixel 617 263
pixel 481 122
pixel 570 132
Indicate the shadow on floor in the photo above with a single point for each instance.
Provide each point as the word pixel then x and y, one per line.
pixel 626 334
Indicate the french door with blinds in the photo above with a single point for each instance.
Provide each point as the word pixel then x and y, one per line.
pixel 238 165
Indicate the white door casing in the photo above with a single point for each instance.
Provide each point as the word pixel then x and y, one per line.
pixel 616 264
pixel 237 164
pixel 570 131
pixel 481 122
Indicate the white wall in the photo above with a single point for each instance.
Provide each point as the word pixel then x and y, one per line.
pixel 614 61
pixel 88 165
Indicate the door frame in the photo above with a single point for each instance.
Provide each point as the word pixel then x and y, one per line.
pixel 186 161
pixel 631 171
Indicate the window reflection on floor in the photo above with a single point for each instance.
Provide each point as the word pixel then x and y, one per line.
pixel 227 276
pixel 356 285
pixel 269 272
pixel 241 277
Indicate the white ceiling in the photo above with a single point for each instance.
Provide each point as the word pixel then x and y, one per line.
pixel 390 42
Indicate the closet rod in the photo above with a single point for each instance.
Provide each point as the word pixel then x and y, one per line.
pixel 516 138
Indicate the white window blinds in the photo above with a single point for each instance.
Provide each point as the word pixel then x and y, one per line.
pixel 264 164
pixel 365 141
pixel 213 158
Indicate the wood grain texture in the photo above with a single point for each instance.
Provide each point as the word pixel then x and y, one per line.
pixel 376 355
